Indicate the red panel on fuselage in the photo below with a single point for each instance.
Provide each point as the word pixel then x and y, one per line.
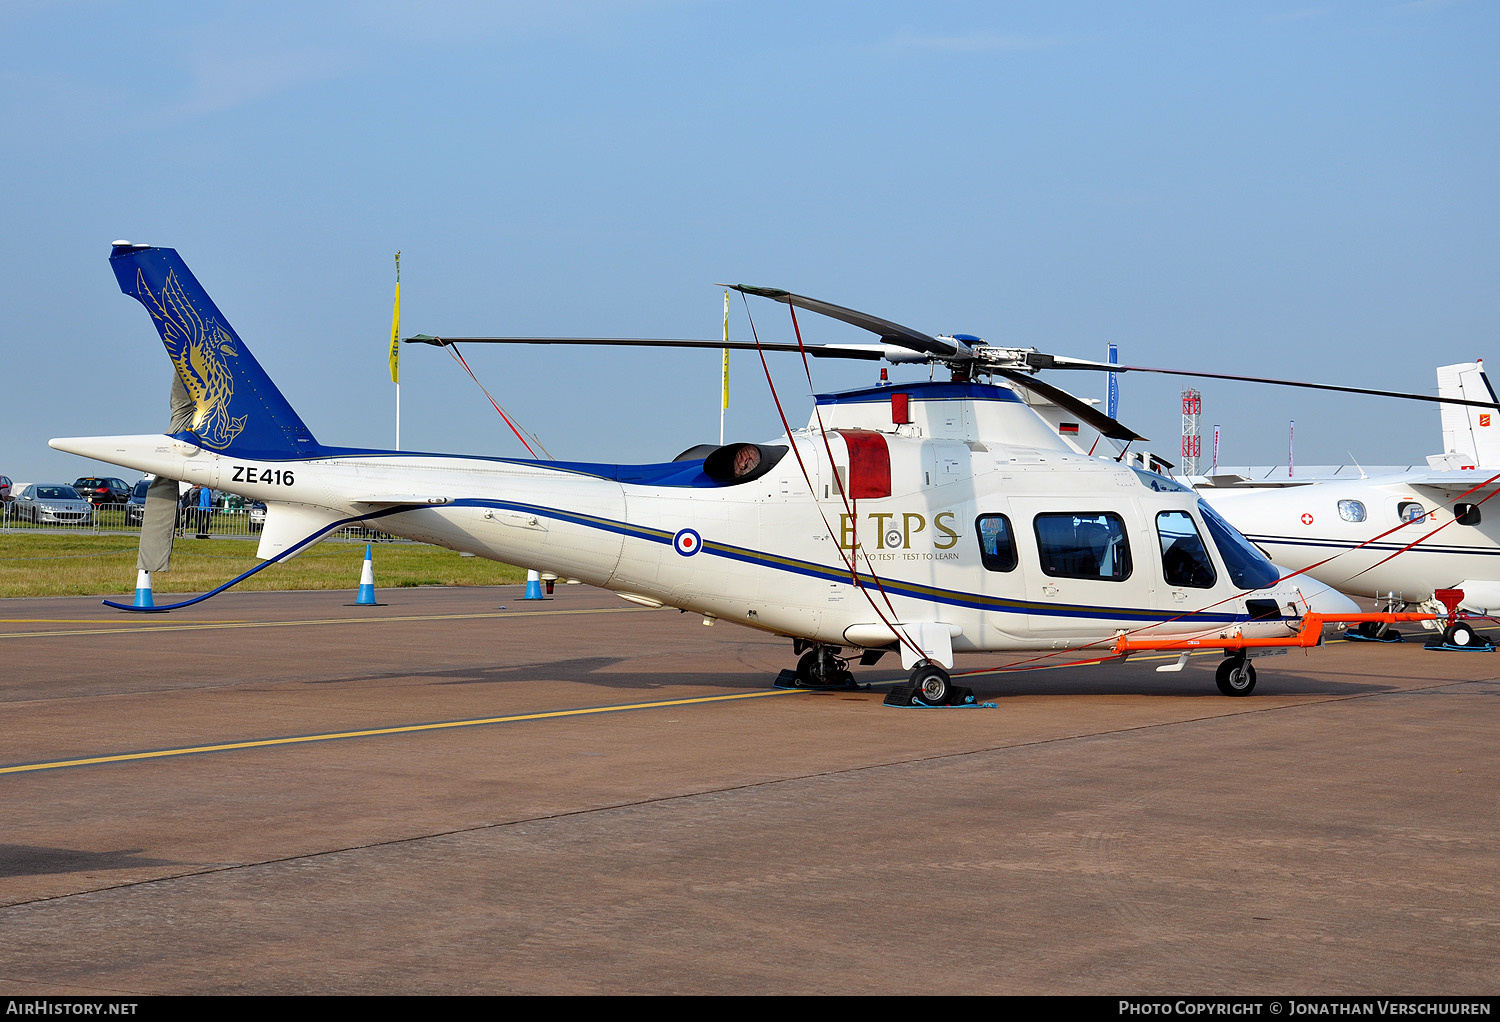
pixel 869 463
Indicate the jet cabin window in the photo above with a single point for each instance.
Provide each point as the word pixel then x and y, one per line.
pixel 1083 546
pixel 997 547
pixel 1184 560
pixel 1411 511
pixel 1351 510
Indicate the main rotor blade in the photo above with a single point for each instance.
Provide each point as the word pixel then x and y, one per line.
pixel 1297 383
pixel 862 351
pixel 1111 428
pixel 888 332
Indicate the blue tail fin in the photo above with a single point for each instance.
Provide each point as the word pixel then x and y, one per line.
pixel 238 410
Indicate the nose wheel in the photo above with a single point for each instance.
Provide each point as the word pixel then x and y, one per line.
pixel 1236 676
pixel 1460 635
pixel 822 667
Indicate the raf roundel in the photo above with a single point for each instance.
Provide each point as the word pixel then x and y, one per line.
pixel 687 542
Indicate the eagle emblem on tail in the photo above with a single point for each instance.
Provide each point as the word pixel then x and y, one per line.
pixel 200 350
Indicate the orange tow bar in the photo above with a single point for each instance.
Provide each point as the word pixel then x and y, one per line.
pixel 1310 634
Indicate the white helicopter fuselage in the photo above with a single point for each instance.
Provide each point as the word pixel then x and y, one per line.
pixel 1075 555
pixel 932 518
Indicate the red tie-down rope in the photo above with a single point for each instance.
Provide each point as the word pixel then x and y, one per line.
pixel 453 350
pixel 1023 665
pixel 850 559
pixel 1035 662
pixel 848 501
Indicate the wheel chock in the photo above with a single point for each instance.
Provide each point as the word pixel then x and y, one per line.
pixel 788 679
pixel 959 696
pixel 1459 637
pixel 1442 645
pixel 1391 635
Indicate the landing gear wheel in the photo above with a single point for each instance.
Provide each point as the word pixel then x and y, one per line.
pixel 1460 634
pixel 932 683
pixel 807 668
pixel 1236 677
pixel 1369 629
pixel 820 667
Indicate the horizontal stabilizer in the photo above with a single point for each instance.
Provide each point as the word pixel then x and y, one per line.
pixel 1481 482
pixel 289 524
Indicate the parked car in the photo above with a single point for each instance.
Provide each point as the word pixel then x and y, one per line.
pixel 52 504
pixel 5 490
pixel 102 489
pixel 135 507
pixel 257 514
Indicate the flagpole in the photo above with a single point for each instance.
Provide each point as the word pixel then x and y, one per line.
pixel 396 349
pixel 724 403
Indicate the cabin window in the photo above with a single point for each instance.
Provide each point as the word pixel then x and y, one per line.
pixel 1083 545
pixel 997 546
pixel 1352 510
pixel 1248 567
pixel 1411 511
pixel 1466 514
pixel 1184 559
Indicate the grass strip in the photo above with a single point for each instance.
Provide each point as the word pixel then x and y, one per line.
pixel 51 564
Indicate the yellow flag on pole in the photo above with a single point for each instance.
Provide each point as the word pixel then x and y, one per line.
pixel 726 353
pixel 396 327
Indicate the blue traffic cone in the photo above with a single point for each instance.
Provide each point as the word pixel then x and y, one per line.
pixel 143 589
pixel 366 597
pixel 533 586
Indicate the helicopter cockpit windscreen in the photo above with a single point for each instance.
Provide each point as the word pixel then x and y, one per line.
pixel 1248 567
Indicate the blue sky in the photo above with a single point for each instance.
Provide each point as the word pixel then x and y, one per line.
pixel 1271 188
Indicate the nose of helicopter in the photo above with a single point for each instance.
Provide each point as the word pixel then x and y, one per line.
pixel 1320 598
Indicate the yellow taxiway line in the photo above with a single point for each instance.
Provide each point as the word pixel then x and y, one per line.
pixel 405 729
pixel 214 625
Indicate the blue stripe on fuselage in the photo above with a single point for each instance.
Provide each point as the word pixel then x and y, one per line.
pixel 811 569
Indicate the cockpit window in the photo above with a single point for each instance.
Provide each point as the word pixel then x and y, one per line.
pixel 1184 559
pixel 1248 567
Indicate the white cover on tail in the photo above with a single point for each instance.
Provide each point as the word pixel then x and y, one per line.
pixel 1471 436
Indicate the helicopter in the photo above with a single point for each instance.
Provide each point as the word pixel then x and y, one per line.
pixel 928 518
pixel 1419 537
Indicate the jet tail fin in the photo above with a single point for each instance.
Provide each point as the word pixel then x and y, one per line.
pixel 236 408
pixel 1471 436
